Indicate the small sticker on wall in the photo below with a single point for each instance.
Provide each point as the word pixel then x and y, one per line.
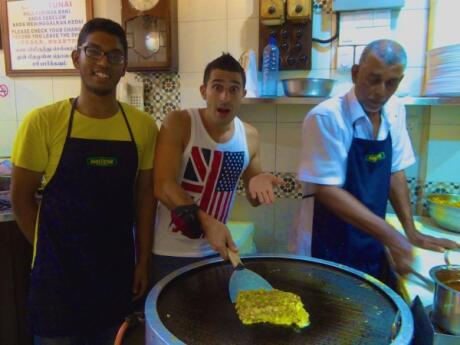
pixel 3 90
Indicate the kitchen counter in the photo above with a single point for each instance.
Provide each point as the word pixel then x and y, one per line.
pixel 6 216
pixel 424 259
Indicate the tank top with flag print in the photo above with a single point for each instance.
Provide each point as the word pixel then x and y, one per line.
pixel 210 172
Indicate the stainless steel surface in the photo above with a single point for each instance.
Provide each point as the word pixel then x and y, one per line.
pixel 330 311
pixel 316 100
pixel 307 87
pixel 446 216
pixel 6 216
pixel 5 181
pixel 440 337
pixel 446 302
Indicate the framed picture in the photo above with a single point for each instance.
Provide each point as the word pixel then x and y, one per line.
pixel 39 36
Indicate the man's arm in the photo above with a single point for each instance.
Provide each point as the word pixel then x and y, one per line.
pixel 172 140
pixel 258 185
pixel 145 207
pixel 352 211
pixel 24 185
pixel 400 200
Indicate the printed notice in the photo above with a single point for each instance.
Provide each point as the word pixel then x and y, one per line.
pixel 42 34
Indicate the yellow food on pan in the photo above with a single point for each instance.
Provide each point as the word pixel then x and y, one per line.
pixel 273 306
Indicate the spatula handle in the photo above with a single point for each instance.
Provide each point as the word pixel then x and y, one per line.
pixel 234 258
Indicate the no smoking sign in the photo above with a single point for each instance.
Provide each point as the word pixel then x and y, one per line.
pixel 3 90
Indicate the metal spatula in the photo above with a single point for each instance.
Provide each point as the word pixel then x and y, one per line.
pixel 243 279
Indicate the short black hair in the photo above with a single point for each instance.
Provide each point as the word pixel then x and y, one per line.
pixel 225 62
pixel 103 25
pixel 389 51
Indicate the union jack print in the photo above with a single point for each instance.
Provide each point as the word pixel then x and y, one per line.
pixel 211 178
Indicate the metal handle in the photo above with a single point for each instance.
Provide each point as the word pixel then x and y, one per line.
pixel 424 279
pixel 446 255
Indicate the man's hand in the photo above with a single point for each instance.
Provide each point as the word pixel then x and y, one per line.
pixel 431 243
pixel 261 187
pixel 141 280
pixel 401 256
pixel 217 234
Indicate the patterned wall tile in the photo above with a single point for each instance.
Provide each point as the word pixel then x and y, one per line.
pixel 292 189
pixel 161 93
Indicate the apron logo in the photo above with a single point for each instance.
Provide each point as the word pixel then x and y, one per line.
pixel 101 162
pixel 375 157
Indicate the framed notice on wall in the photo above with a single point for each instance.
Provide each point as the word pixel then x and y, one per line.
pixel 38 36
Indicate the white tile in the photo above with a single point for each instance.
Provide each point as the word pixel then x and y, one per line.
pixel 415 4
pixel 32 93
pixel 443 160
pixel 2 65
pixel 7 135
pixel 285 212
pixel 320 52
pixel 445 115
pixel 288 144
pixel 199 43
pixel 292 113
pixel 7 99
pixel 321 56
pixel 196 10
pixel 190 90
pixel 267 137
pixel 412 84
pixel 65 87
pixel 238 9
pixel 243 34
pixel 253 113
pixel 411 24
pixel 263 219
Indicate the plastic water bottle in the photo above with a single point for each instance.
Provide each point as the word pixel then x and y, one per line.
pixel 270 68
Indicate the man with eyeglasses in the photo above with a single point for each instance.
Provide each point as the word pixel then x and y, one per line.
pixel 94 158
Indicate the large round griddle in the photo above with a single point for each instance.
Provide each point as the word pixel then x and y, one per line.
pixel 192 306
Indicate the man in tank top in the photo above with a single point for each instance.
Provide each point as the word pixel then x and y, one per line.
pixel 201 155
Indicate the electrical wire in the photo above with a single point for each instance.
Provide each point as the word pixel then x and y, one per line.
pixel 333 38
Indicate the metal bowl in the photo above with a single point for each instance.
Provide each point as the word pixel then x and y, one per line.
pixel 307 87
pixel 444 215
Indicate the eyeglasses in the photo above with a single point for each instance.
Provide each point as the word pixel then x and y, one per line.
pixel 114 56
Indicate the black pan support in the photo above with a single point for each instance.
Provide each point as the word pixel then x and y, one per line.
pixel 192 305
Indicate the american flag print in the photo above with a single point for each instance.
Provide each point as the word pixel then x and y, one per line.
pixel 211 177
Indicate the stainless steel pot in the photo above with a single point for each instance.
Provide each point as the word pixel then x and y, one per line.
pixel 446 302
pixel 307 87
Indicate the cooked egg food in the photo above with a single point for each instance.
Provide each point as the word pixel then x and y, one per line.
pixel 272 306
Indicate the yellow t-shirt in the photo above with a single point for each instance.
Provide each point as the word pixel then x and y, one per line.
pixel 41 136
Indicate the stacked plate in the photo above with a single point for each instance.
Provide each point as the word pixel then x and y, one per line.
pixel 443 71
